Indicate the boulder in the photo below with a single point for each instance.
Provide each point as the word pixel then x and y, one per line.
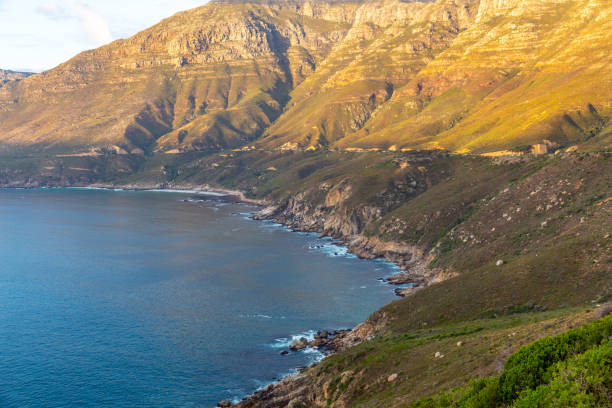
pixel 399 279
pixel 322 334
pixel 392 377
pixel 300 344
pixel 319 342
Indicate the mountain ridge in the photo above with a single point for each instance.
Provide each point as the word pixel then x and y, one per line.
pixel 458 75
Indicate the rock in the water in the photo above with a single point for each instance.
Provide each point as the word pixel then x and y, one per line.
pixel 399 279
pixel 284 353
pixel 300 344
pixel 318 342
pixel 224 404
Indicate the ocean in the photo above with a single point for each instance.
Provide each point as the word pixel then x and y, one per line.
pixel 159 299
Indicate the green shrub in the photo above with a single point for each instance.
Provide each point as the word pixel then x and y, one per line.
pixel 585 381
pixel 573 369
pixel 484 393
pixel 529 366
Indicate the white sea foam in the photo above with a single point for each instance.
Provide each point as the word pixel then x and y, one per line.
pixel 199 192
pixel 156 190
pixel 285 342
pixel 271 225
pixel 331 248
pixel 255 316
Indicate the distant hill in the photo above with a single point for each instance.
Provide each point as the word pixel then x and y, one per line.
pixel 469 76
pixel 7 75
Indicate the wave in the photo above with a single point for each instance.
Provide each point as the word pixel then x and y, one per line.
pixel 255 316
pixel 285 342
pixel 332 248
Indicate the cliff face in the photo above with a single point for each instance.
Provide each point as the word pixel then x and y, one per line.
pixel 212 77
pixel 462 75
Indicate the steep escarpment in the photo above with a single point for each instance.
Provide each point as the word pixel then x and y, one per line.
pixel 208 78
pixel 388 44
pixel 457 75
pixel 464 76
pixel 521 73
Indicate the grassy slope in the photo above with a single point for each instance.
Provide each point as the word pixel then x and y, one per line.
pixel 359 376
pixel 570 369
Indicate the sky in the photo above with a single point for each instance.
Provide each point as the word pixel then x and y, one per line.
pixel 36 35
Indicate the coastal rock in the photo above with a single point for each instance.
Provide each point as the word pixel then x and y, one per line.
pixel 318 343
pixel 297 345
pixel 224 404
pixel 407 291
pixel 399 279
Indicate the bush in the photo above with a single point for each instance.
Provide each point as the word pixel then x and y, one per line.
pixel 573 369
pixel 529 367
pixel 483 394
pixel 585 381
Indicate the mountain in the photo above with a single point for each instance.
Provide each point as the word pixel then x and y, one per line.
pixel 459 75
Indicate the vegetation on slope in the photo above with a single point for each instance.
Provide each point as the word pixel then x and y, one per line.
pixel 573 369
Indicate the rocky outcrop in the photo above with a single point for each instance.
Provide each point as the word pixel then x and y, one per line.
pixel 336 216
pixel 300 390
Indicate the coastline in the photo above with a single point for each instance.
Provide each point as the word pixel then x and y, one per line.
pixel 181 188
pixel 342 338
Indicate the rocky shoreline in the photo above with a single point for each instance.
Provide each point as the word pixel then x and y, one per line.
pixel 291 390
pixel 414 265
pixel 416 272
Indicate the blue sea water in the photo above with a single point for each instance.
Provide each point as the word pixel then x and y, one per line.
pixel 143 299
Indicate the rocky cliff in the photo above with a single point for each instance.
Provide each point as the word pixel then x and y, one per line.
pixel 460 75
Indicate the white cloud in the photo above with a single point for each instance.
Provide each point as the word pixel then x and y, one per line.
pixel 52 10
pixel 93 23
pixel 40 34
